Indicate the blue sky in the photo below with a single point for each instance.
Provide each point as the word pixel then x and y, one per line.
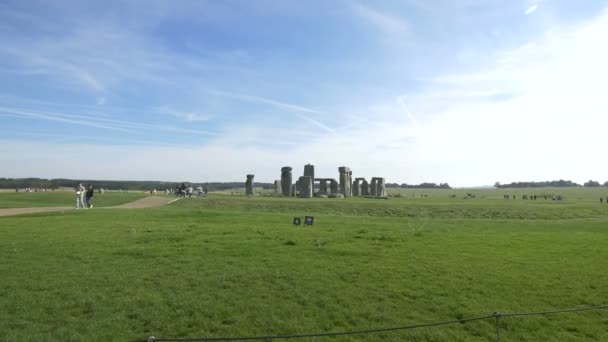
pixel 467 92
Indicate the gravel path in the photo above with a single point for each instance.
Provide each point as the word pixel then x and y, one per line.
pixel 146 202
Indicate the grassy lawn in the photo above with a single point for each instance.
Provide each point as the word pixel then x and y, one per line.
pixel 232 266
pixel 62 199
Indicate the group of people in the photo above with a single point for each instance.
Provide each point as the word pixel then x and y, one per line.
pixel 28 189
pixel 84 197
pixel 533 197
pixel 187 191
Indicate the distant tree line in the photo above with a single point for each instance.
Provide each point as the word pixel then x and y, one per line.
pixel 593 184
pixel 40 183
pixel 419 186
pixel 558 184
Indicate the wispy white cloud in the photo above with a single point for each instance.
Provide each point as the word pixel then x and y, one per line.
pixel 185 116
pixel 298 110
pixel 98 122
pixel 263 100
pixel 190 117
pixel 99 56
pixel 531 9
pixel 58 118
pixel 533 6
pixel 385 22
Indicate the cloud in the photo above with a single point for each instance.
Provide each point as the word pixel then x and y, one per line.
pixel 384 22
pixel 190 117
pixel 99 55
pixel 263 100
pixel 98 122
pixel 76 120
pixel 531 9
pixel 281 105
pixel 556 84
pixel 183 115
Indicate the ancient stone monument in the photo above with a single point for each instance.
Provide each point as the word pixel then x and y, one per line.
pixel 322 186
pixel 309 171
pixel 249 185
pixel 305 185
pixel 286 180
pixel 333 189
pixel 357 187
pixel 380 187
pixel 277 187
pixel 345 181
pixel 333 186
pixel 364 188
pixel 372 187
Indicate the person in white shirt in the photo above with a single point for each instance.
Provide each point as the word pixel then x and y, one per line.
pixel 80 190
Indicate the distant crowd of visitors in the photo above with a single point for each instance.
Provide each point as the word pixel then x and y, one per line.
pixel 187 191
pixel 534 197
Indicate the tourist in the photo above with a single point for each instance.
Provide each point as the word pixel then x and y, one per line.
pixel 80 196
pixel 89 197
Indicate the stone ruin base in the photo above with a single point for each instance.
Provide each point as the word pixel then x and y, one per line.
pixel 336 196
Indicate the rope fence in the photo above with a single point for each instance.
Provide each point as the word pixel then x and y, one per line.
pixel 497 316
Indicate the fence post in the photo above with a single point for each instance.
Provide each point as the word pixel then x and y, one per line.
pixel 497 316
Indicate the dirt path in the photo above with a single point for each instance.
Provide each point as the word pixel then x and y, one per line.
pixel 146 202
pixel 18 211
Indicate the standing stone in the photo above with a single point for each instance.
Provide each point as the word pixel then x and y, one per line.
pixel 373 187
pixel 309 171
pixel 286 181
pixel 294 189
pixel 277 187
pixel 249 185
pixel 357 187
pixel 305 183
pixel 364 188
pixel 333 186
pixel 380 187
pixel 322 186
pixel 345 181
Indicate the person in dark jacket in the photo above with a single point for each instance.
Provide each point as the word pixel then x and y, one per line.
pixel 89 197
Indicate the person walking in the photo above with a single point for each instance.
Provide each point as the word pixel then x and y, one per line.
pixel 89 197
pixel 80 196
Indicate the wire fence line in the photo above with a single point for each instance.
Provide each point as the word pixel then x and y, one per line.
pixel 496 316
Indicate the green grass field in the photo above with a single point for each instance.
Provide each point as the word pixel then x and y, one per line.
pixel 62 199
pixel 235 266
